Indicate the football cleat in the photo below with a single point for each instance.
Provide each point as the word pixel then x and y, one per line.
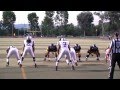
pixel 56 68
pixel 76 64
pixel 68 64
pixel 35 65
pixel 98 59
pixel 73 68
pixel 7 64
pixel 44 59
pixel 20 65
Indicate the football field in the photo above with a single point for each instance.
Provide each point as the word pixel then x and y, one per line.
pixel 91 69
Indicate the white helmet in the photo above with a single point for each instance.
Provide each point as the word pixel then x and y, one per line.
pixel 10 46
pixel 63 39
pixel 28 37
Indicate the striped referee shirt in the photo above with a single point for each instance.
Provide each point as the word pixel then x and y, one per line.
pixel 115 45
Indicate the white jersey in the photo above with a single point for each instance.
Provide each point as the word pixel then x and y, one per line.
pixel 64 50
pixel 72 50
pixel 107 51
pixel 115 45
pixel 73 54
pixel 107 55
pixel 28 44
pixel 13 51
pixel 64 44
pixel 28 48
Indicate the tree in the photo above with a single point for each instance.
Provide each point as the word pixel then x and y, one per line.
pixel 47 23
pixel 33 21
pixel 49 14
pixel 85 20
pixel 9 18
pixel 2 31
pixel 102 16
pixel 1 25
pixel 114 20
pixel 61 20
pixel 69 29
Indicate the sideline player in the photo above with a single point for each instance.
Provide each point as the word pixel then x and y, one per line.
pixel 29 48
pixel 107 54
pixel 11 50
pixel 108 57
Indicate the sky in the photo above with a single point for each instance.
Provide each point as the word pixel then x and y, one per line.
pixel 21 16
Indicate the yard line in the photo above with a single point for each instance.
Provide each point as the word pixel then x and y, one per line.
pixel 94 63
pixel 23 73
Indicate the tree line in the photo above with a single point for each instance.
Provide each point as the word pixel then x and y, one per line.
pixel 55 23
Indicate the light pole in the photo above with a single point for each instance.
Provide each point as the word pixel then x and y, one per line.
pixel 40 30
pixel 18 32
pixel 24 28
pixel 34 21
pixel 47 30
pixel 11 21
pixel 102 22
pixel 96 32
pixel 102 29
pixel 12 28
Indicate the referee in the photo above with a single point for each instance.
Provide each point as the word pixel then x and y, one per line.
pixel 115 50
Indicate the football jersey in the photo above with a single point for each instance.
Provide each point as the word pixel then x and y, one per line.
pixel 28 44
pixel 115 45
pixel 64 44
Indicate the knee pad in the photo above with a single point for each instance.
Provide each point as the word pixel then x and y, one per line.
pixel 33 58
pixel 22 58
pixel 70 61
pixel 57 61
pixel 87 55
pixel 46 55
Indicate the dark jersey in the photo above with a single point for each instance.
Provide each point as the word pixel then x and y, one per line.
pixel 52 48
pixel 77 48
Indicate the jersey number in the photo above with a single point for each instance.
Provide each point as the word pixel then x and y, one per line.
pixel 64 44
pixel 28 44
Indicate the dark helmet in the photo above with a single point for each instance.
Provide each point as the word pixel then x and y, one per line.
pixel 94 45
pixel 28 39
pixel 76 44
pixel 52 44
pixel 63 39
pixel 60 39
pixel 91 46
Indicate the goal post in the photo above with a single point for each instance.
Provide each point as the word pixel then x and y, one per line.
pixel 33 32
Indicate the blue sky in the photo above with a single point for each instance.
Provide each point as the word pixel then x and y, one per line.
pixel 21 16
